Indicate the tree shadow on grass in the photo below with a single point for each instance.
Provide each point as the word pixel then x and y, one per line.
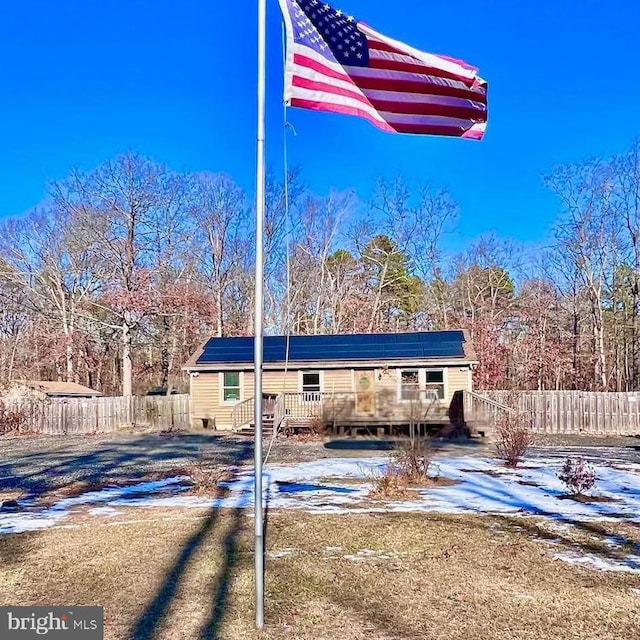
pixel 41 472
pixel 148 624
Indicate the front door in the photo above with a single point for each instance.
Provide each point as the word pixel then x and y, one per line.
pixel 365 393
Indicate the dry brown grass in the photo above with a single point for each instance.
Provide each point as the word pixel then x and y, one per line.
pixel 445 578
pixel 388 484
pixel 205 478
pixel 411 466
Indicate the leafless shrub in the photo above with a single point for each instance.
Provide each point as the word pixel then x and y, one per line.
pixel 513 436
pixel 317 426
pixel 13 419
pixel 577 476
pixel 388 483
pixel 410 465
pixel 206 477
pixel 413 459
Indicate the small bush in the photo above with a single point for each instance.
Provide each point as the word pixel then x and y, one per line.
pixel 413 459
pixel 317 427
pixel 577 476
pixel 388 483
pixel 409 466
pixel 513 437
pixel 206 478
pixel 12 419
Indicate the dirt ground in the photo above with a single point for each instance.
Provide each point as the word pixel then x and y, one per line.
pixel 36 465
pixel 177 575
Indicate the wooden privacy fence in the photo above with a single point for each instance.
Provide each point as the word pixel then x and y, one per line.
pixel 576 412
pixel 63 416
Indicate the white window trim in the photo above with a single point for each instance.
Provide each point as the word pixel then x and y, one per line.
pixel 302 392
pixel 422 381
pixel 445 381
pixel 301 372
pixel 224 402
pixel 399 383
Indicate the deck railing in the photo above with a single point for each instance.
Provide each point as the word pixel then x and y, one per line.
pixel 279 411
pixel 345 407
pixel 242 413
pixel 480 409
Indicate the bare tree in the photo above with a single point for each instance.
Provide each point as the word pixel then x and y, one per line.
pixel 56 268
pixel 219 207
pixel 587 239
pixel 115 209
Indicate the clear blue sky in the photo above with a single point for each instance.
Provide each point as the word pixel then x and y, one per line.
pixel 82 80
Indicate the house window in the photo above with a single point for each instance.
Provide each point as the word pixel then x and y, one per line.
pixel 435 383
pixel 231 386
pixel 409 384
pixel 311 385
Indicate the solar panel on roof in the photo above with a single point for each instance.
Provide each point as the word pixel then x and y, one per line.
pixel 337 347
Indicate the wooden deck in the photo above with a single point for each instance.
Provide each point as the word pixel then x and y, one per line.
pixel 348 412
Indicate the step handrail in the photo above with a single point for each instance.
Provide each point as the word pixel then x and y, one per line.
pixel 242 413
pixel 489 401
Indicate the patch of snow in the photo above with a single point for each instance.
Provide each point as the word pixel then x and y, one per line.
pixel 628 564
pixel 483 486
pixel 636 591
pixel 547 540
pixel 282 553
pixel 34 520
pixel 22 522
pixel 104 511
pixel 370 554
pixel 560 527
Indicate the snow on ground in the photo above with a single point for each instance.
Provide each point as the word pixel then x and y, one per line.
pixel 628 564
pixel 31 519
pixel 335 485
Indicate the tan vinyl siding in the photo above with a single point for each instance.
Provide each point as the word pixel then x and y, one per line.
pixel 206 393
pixel 278 381
pixel 456 379
pixel 337 380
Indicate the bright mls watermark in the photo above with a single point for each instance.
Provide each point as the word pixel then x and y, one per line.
pixel 53 623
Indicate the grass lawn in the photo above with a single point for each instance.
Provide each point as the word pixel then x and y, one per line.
pixel 173 574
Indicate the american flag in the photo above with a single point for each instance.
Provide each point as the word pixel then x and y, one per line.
pixel 335 63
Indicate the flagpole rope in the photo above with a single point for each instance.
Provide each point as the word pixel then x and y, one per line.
pixel 287 233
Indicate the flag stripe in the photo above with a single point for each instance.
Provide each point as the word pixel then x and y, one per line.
pixel 411 82
pixel 357 102
pixel 315 85
pixel 402 120
pixel 338 108
pixel 382 47
pixel 401 62
pixel 404 104
pixel 460 68
pixel 398 119
pixel 427 109
pixel 405 70
pixel 433 130
pixel 458 88
pixel 324 79
pixel 306 60
pixel 404 96
pixel 318 73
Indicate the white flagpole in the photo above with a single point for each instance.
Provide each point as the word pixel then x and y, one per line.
pixel 258 317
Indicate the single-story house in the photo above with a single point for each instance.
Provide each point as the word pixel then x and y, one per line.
pixel 374 380
pixel 58 389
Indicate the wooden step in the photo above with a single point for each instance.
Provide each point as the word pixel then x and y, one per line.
pixel 250 430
